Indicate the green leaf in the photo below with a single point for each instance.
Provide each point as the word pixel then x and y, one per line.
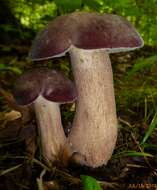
pixel 132 11
pixel 15 70
pixel 90 183
pixel 150 146
pixel 68 5
pixel 132 154
pixel 93 4
pixel 138 154
pixel 143 64
pixel 117 3
pixel 2 66
pixel 153 32
pixel 150 130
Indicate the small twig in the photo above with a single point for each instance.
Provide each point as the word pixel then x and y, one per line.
pixel 41 164
pixel 125 122
pixel 40 180
pixel 108 184
pixel 4 172
pixel 135 166
pixel 58 172
pixel 22 186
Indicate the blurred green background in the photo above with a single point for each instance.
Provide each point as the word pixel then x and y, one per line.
pixel 34 14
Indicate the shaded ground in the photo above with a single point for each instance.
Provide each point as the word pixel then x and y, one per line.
pixel 21 165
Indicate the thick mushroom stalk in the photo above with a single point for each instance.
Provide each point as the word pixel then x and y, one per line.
pixel 46 89
pixel 94 131
pixel 50 128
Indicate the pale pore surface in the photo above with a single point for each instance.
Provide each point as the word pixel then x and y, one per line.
pixel 94 132
pixel 50 128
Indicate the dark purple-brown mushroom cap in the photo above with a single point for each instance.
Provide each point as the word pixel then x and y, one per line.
pixel 50 84
pixel 86 31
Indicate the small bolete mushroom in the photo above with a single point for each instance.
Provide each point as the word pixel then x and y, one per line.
pixel 89 38
pixel 46 89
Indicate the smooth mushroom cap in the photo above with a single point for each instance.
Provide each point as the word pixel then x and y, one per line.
pixel 86 31
pixel 51 84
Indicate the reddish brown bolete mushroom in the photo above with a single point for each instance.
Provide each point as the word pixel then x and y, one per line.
pixel 46 90
pixel 89 38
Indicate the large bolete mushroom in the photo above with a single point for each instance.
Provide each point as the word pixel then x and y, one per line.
pixel 89 38
pixel 46 89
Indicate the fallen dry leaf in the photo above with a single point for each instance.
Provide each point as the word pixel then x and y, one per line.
pixel 12 115
pixel 25 111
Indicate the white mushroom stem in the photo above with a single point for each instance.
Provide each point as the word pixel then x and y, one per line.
pixel 94 131
pixel 50 128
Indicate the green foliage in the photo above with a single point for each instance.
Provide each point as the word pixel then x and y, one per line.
pixel 14 69
pixel 132 154
pixel 93 4
pixel 150 130
pixel 34 14
pixel 68 5
pixel 133 96
pixel 143 64
pixel 150 146
pixel 139 83
pixel 90 183
pixel 142 14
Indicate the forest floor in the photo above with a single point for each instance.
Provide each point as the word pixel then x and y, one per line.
pixel 134 162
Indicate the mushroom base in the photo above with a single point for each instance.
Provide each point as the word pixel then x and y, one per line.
pixel 94 132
